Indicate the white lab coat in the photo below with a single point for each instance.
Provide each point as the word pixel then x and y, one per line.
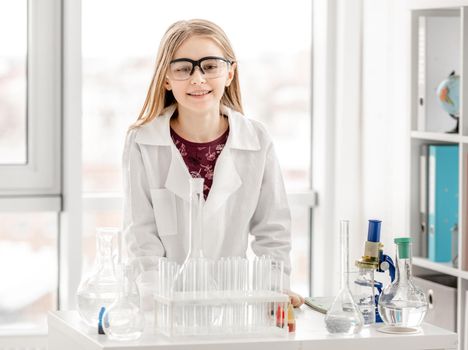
pixel 247 194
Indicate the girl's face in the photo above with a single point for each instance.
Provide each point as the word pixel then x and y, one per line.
pixel 199 93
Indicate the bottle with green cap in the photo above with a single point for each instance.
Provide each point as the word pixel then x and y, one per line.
pixel 402 305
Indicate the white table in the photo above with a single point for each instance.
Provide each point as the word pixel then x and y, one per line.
pixel 67 332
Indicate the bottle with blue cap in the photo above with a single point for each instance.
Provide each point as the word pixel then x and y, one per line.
pixel 402 304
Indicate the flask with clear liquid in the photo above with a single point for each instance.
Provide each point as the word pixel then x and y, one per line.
pixel 402 304
pixel 101 287
pixel 124 318
pixel 344 316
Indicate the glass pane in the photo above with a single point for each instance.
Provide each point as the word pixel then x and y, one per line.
pixel 13 81
pixel 28 269
pixel 275 76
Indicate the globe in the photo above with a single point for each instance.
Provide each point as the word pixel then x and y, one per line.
pixel 448 95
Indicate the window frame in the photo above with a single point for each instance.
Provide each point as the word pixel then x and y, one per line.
pixel 36 185
pixel 41 175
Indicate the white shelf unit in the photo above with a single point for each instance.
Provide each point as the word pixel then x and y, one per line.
pixel 418 136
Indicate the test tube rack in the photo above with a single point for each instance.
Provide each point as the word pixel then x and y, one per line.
pixel 229 296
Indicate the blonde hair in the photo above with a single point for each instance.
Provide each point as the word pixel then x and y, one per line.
pixel 158 98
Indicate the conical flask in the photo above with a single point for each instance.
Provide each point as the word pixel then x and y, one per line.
pixel 195 278
pixel 101 287
pixel 344 316
pixel 124 319
pixel 196 273
pixel 402 304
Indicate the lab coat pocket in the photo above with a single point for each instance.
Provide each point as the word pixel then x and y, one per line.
pixel 164 207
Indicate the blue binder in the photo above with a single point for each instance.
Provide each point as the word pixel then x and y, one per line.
pixel 443 200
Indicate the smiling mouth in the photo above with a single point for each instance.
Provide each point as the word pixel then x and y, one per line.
pixel 199 93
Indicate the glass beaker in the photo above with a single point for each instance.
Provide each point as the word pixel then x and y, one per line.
pixel 124 319
pixel 100 288
pixel 344 316
pixel 401 303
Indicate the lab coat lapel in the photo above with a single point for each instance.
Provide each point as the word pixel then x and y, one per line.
pixel 242 137
pixel 226 181
pixel 157 133
pixel 178 176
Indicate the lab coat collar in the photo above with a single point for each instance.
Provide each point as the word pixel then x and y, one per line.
pixel 157 132
pixel 242 134
pixel 226 181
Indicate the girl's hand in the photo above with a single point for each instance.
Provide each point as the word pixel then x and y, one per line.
pixel 296 299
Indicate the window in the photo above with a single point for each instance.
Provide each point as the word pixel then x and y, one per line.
pixel 13 68
pixel 28 269
pixel 29 97
pixel 274 67
pixel 30 158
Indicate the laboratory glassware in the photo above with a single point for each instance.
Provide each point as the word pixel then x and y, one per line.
pixel 124 319
pixel 195 278
pixel 344 316
pixel 248 299
pixel 402 304
pixel 100 288
pixel 205 297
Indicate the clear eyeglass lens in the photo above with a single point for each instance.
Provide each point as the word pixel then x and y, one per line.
pixel 213 68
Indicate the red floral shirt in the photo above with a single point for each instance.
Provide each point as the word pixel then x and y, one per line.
pixel 200 158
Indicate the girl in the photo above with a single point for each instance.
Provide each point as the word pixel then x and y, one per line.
pixel 191 124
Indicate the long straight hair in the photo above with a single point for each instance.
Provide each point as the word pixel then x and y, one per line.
pixel 158 97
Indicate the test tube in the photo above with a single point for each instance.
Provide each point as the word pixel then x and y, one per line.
pixel 277 268
pixel 245 288
pixel 235 276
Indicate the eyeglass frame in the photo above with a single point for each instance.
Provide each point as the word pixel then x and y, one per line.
pixel 197 63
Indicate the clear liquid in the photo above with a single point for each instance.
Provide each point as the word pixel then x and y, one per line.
pixel 124 321
pixel 403 313
pixel 342 324
pixel 89 306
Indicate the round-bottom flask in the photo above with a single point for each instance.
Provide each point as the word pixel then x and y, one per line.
pixel 101 287
pixel 124 319
pixel 344 316
pixel 402 304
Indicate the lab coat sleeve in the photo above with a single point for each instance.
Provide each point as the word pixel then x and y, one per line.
pixel 271 222
pixel 140 231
